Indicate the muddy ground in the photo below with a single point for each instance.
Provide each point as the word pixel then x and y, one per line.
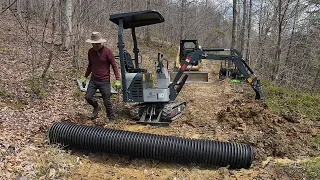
pixel 218 110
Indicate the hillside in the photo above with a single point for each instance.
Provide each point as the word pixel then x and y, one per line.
pixel 285 147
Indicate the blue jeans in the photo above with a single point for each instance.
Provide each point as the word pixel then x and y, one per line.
pixel 105 90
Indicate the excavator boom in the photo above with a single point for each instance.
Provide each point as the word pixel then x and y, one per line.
pixel 193 58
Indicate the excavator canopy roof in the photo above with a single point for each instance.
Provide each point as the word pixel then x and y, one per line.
pixel 137 19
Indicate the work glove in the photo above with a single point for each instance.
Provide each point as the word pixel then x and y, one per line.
pixel 84 80
pixel 235 81
pixel 117 84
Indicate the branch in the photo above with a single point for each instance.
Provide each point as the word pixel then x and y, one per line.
pixel 29 36
pixel 8 6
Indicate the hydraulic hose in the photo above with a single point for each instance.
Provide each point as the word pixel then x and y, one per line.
pixel 152 146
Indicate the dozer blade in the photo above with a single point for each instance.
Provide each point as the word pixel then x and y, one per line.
pixel 84 89
pixel 194 76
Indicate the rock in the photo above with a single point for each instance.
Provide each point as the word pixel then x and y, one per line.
pixel 292 116
pixel 52 172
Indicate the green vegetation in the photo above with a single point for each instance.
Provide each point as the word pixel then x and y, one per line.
pixel 4 93
pixel 281 99
pixel 171 51
pixel 219 32
pixel 10 99
pixel 36 88
pixel 313 168
pixel 317 142
pixel 77 93
pixel 54 163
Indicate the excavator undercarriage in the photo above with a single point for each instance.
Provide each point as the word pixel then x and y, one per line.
pixel 157 113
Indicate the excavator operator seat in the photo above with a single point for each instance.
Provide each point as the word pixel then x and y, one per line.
pixel 129 65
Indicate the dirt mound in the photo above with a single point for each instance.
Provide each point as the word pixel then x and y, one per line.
pixel 271 135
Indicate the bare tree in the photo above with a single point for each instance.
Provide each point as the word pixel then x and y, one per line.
pixel 183 5
pixel 66 14
pixel 248 52
pixel 234 24
pixel 7 6
pixel 280 46
pixel 147 34
pixel 53 31
pixel 243 27
pixel 19 6
pixel 282 11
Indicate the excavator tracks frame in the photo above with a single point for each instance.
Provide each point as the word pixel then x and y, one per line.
pixel 157 113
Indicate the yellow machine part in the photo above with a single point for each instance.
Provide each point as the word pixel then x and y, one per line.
pixel 195 75
pixel 193 68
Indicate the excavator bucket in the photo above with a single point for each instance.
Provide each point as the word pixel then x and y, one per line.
pixel 194 76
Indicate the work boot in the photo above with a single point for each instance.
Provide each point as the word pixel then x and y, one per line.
pixel 95 112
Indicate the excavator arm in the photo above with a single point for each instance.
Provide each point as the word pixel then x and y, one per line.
pixel 193 58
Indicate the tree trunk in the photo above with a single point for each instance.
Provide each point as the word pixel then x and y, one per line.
pixel 249 32
pixel 66 28
pixel 53 31
pixel 171 34
pixel 260 32
pixel 19 6
pixel 278 48
pixel 131 5
pixel 234 30
pixel 147 39
pixel 316 81
pixel 243 29
pixel 292 33
pixel 31 5
pixel 277 67
pixel 237 44
pixel 183 3
pixel 234 24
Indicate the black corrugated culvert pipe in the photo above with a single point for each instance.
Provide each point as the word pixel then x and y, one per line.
pixel 152 146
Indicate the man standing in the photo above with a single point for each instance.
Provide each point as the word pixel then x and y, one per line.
pixel 100 58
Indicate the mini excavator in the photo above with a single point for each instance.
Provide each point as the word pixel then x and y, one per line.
pixel 158 104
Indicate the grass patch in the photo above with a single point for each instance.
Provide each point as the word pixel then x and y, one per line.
pixel 47 162
pixel 282 99
pixel 317 142
pixel 36 88
pixel 10 99
pixel 77 93
pixel 313 168
pixel 5 94
pixel 54 163
pixel 171 51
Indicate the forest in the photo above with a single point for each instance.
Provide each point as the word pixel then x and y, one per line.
pixel 43 51
pixel 276 37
